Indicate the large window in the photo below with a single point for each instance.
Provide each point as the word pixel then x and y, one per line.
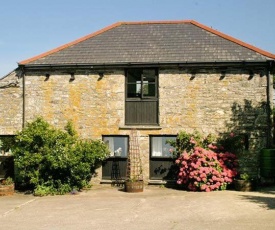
pixel 141 97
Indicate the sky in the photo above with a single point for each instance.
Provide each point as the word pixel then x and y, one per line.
pixel 31 27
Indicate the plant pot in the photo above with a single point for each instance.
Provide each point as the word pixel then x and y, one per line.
pixel 244 185
pixel 6 190
pixel 133 186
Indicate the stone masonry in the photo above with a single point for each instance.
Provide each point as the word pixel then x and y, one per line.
pixel 11 105
pixel 207 102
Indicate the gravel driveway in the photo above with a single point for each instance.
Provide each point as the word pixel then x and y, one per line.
pixel 106 207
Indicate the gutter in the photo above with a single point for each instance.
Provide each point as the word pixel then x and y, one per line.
pixel 97 66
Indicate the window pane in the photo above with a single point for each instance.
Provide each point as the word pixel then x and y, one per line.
pixel 149 89
pixel 109 141
pixel 134 75
pixel 134 90
pixel 120 146
pixel 117 145
pixel 149 75
pixel 167 148
pixel 134 83
pixel 149 83
pixel 160 148
pixel 156 146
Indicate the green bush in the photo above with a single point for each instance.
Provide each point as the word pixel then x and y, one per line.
pixel 187 141
pixel 44 190
pixel 53 161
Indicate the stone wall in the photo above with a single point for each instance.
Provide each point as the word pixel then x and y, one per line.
pixel 207 103
pixel 11 104
pixel 96 106
pixel 211 104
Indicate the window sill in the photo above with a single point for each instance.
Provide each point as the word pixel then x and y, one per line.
pixel 140 127
pixel 108 181
pixel 161 182
pixel 163 157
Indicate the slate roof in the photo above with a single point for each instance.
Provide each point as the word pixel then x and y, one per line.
pixel 152 42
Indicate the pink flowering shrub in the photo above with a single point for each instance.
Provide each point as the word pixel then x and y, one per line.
pixel 206 168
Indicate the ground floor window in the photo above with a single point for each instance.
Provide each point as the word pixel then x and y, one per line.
pixel 160 154
pixel 6 158
pixel 114 168
pixel 161 157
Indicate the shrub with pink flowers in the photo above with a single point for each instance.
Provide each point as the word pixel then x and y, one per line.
pixel 203 166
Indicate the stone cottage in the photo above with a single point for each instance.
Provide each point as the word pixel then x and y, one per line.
pixel 156 77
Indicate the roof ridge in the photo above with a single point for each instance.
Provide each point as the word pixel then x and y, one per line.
pixel 156 22
pixel 232 39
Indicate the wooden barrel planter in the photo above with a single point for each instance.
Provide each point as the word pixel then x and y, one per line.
pixel 6 190
pixel 134 186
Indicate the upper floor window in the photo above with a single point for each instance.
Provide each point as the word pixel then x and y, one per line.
pixel 141 106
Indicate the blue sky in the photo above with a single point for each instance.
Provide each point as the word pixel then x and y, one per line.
pixel 31 27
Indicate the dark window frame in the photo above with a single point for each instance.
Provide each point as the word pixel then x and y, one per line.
pixel 142 84
pixel 114 167
pixel 161 167
pixel 145 100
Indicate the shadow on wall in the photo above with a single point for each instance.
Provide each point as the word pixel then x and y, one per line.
pixel 252 122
